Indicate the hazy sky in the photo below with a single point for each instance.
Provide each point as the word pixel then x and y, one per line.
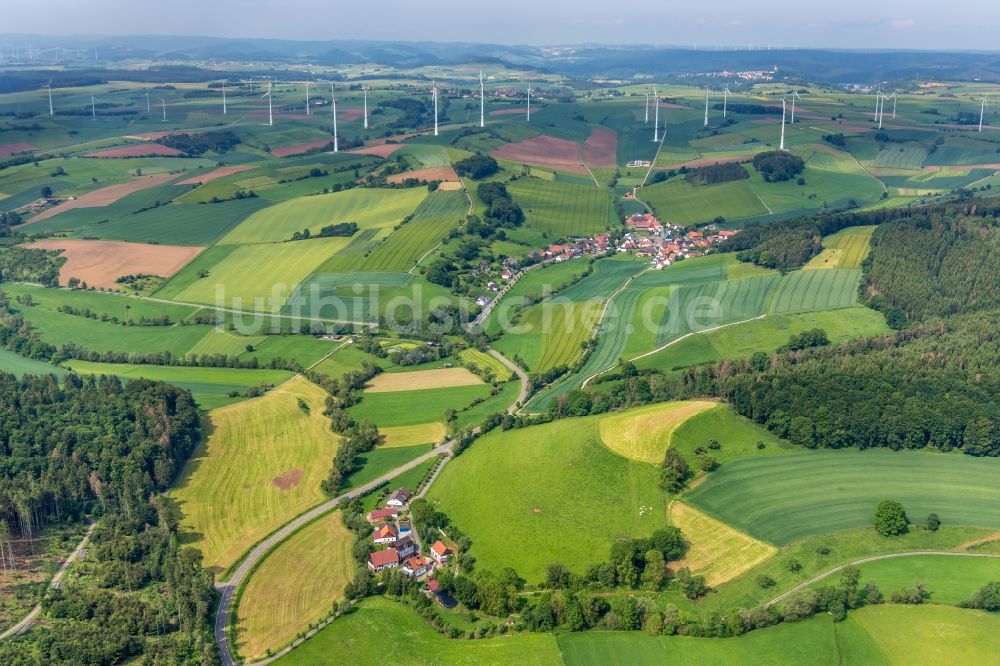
pixel 918 24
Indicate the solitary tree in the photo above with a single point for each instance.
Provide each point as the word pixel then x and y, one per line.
pixel 890 518
pixel 933 522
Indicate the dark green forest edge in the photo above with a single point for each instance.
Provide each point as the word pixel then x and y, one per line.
pixel 94 449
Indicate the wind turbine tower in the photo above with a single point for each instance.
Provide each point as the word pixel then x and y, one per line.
pixel 48 86
pixel 982 112
pixel 307 97
pixel 881 110
pixel 148 110
pixel 482 101
pixel 270 115
pixel 333 101
pixel 529 102
pixel 93 108
pixel 434 92
pixel 795 95
pixel 706 107
pixel 656 112
pixel 223 98
pixel 365 90
pixel 782 146
pixel 647 107
pixel 725 101
pixel 163 103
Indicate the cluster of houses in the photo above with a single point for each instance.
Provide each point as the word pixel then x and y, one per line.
pixel 595 245
pixel 666 243
pixel 400 546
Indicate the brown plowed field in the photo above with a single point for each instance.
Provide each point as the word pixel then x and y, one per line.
pixel 99 263
pixel 444 174
pixel 381 150
pixel 601 149
pixel 544 151
pixel 221 172
pixel 7 149
pixel 300 148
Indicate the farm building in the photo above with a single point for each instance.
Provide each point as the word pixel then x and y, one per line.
pixel 417 565
pixel 440 552
pixel 399 497
pixel 644 222
pixel 382 514
pixel 383 559
pixel 405 547
pixel 386 533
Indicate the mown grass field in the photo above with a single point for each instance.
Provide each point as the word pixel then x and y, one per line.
pixel 405 408
pixel 549 493
pixel 737 436
pixel 563 209
pixel 679 202
pixel 296 585
pixel 931 634
pixel 474 358
pixel 550 333
pixel 948 579
pixel 765 335
pixel 644 433
pixel 783 498
pixel 811 290
pixel 715 550
pixel 18 365
pixel 209 386
pixel 845 249
pixel 231 490
pixel 260 276
pixel 438 214
pixel 421 379
pixel 381 460
pixel 496 404
pixel 368 208
pixel 377 621
pixel 535 284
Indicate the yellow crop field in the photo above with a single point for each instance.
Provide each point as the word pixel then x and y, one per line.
pixel 644 433
pixel 419 380
pixel 423 433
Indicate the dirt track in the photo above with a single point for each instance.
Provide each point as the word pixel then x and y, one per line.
pixel 221 172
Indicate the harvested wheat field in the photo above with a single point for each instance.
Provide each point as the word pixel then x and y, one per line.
pixel 422 433
pixel 138 150
pixel 601 149
pixel 104 196
pixel 300 148
pixel 380 150
pixel 419 380
pixel 221 172
pixel 7 149
pixel 443 174
pixel 644 434
pixel 100 263
pixel 546 151
pixel 715 550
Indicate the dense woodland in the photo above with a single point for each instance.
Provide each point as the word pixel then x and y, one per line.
pixel 93 447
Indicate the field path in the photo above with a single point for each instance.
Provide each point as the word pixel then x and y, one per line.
pixel 56 581
pixel 521 375
pixel 874 558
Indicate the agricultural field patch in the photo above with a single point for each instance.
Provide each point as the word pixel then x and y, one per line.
pixel 845 249
pixel 137 150
pixel 101 263
pixel 377 620
pixel 104 196
pixel 421 379
pixel 405 408
pixel 544 151
pixel 601 149
pixel 715 550
pixel 368 208
pixel 422 433
pixel 483 361
pixel 563 209
pixel 436 216
pixel 931 634
pixel 679 202
pixel 439 173
pixel 16 364
pixel 784 498
pixel 550 334
pixel 553 493
pixel 295 586
pixel 811 290
pixel 260 466
pixel 644 434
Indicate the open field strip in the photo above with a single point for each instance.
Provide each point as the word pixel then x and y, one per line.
pixel 845 249
pixel 715 550
pixel 421 379
pixel 484 361
pixel 422 433
pixel 644 433
pixel 283 455
pixel 562 209
pixel 368 208
pixel 783 498
pixel 406 408
pixel 295 586
pixel 378 620
pixel 810 290
pixel 19 365
pixel 436 216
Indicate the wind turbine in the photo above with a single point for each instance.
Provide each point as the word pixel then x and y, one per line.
pixel 782 146
pixel 881 111
pixel 223 98
pixel 163 103
pixel 647 107
pixel 48 86
pixel 706 107
pixel 148 109
pixel 270 115
pixel 365 90
pixel 333 100
pixel 656 112
pixel 93 108
pixel 795 96
pixel 982 113
pixel 434 92
pixel 529 102
pixel 251 85
pixel 307 96
pixel 725 101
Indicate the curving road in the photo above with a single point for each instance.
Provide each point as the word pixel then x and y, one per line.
pixel 521 375
pixel 228 589
pixel 874 558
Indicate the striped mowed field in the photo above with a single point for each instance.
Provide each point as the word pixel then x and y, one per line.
pixel 845 249
pixel 644 434
pixel 284 454
pixel 297 584
pixel 388 382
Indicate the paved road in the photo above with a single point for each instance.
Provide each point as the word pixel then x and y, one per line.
pixel 29 619
pixel 874 558
pixel 228 589
pixel 521 375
